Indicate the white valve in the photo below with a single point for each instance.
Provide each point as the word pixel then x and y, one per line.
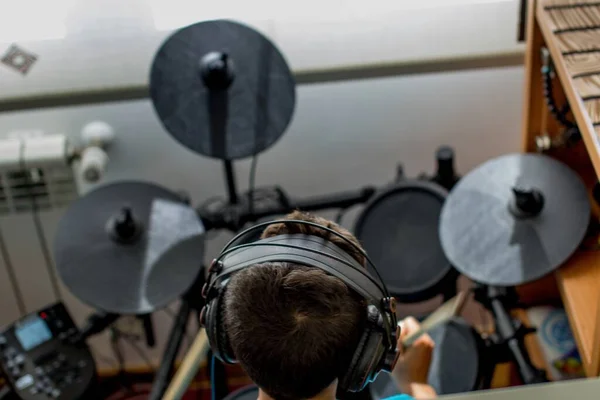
pixel 93 163
pixel 97 137
pixel 97 133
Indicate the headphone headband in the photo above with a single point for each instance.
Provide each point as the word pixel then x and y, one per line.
pixel 253 228
pixel 312 251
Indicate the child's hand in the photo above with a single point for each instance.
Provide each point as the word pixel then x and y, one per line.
pixel 412 369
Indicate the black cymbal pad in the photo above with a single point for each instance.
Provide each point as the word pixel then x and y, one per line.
pixel 129 247
pixel 399 230
pixel 514 219
pixel 222 89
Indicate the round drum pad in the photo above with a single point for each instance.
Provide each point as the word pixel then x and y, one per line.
pixel 399 230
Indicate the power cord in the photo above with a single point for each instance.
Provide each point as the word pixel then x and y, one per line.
pixel 131 340
pixel 251 183
pixel 340 216
pixel 116 348
pixel 188 338
pixel 12 276
pixel 130 390
pixel 46 252
pixel 218 203
pixel 35 177
pixel 106 359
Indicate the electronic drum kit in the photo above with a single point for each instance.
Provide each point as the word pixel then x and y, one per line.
pixel 223 90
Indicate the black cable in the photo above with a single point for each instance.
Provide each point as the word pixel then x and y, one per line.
pixel 30 182
pixel 206 205
pixel 116 335
pixel 131 341
pixel 116 348
pixel 46 254
pixel 251 183
pixel 106 359
pixel 340 216
pixel 559 114
pixel 188 338
pixel 168 311
pixel 484 319
pixel 12 276
pixel 5 393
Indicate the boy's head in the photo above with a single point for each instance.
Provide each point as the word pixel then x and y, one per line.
pixel 294 328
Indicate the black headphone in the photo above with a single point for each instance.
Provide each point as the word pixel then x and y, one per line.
pixel 376 350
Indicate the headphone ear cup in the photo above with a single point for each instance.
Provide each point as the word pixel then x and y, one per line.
pixel 350 381
pixel 365 362
pixel 209 326
pixel 215 329
pixel 225 349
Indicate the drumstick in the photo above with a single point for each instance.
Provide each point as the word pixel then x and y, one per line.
pixel 186 372
pixel 447 311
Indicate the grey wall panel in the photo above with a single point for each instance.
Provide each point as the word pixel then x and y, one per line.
pixel 114 44
pixel 28 261
pixel 79 310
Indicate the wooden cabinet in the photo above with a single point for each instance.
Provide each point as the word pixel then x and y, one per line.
pixel 567 32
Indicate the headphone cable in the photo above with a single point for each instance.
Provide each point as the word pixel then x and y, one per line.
pixel 252 183
pixel 213 391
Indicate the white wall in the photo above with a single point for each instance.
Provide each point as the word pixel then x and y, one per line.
pixel 85 45
pixel 353 132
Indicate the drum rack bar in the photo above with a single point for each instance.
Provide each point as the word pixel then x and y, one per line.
pixel 568 31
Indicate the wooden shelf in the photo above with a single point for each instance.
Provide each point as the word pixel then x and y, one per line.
pixel 567 35
pixel 569 30
pixel 579 284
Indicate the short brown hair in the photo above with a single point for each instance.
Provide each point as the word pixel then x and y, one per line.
pixel 294 328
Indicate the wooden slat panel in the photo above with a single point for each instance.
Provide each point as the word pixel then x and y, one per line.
pixel 579 40
pixel 533 102
pixel 587 86
pixel 578 281
pixel 570 18
pixel 579 278
pixel 583 64
pixel 593 108
pixel 571 3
